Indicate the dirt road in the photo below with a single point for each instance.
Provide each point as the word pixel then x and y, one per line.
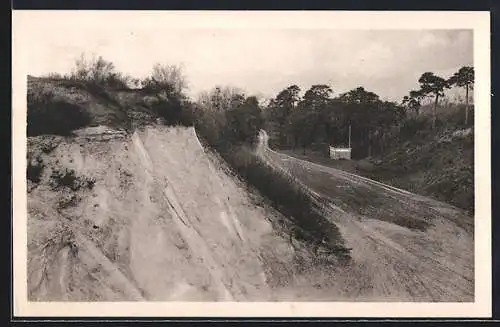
pixel 405 247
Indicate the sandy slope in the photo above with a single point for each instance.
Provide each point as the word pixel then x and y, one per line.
pixel 390 260
pixel 163 222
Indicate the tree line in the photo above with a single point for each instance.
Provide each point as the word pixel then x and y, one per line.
pixel 312 121
pixel 318 119
pixel 434 85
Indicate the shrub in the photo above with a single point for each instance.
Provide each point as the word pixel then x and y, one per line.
pixel 99 71
pixel 165 77
pixel 170 109
pixel 68 179
pixel 69 200
pixel 49 115
pixel 34 170
pixel 413 125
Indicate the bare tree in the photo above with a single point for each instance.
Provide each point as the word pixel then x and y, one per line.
pixel 221 98
pixel 166 78
pixel 97 70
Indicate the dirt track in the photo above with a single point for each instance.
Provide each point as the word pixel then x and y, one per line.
pixel 405 247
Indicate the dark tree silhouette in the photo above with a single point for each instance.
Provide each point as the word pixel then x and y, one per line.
pixel 432 84
pixel 413 101
pixel 464 78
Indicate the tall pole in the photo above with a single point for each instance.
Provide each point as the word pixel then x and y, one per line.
pixel 349 136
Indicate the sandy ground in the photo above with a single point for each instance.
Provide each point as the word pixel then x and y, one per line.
pixel 164 221
pixel 392 259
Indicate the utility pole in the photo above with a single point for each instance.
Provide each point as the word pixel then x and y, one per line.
pixel 349 136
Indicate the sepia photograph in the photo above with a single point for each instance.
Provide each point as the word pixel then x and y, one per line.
pixel 250 158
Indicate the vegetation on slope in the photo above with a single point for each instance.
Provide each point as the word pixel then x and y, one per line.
pixel 440 165
pixel 96 94
pixel 232 132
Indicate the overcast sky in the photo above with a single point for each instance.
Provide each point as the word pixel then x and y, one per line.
pixel 264 61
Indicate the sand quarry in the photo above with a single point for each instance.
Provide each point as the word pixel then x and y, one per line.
pixel 166 220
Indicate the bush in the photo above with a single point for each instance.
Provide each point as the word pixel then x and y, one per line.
pixel 244 122
pixel 68 179
pixel 49 115
pixel 34 170
pixel 99 71
pixel 411 126
pixel 170 110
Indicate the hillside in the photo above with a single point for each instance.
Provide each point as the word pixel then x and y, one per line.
pixel 57 103
pixel 437 163
pixel 127 208
pixel 144 229
pixel 440 165
pixel 124 207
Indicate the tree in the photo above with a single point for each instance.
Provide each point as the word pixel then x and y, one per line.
pixel 212 116
pixel 316 102
pixel 280 109
pixel 170 75
pixel 221 98
pixel 363 112
pixel 431 84
pixel 98 71
pixel 464 78
pixel 244 121
pixel 317 96
pixel 166 85
pixel 413 101
pixel 289 97
pixel 166 78
pixel 359 95
pixel 302 128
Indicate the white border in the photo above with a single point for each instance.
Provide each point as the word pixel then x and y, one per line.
pixel 478 21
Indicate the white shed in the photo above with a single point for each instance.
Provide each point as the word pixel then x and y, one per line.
pixel 340 153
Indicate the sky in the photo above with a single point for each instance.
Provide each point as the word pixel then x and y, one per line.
pixel 262 61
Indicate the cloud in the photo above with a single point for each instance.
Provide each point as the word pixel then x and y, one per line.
pixel 264 61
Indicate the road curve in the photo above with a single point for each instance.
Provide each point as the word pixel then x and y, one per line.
pixel 405 247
